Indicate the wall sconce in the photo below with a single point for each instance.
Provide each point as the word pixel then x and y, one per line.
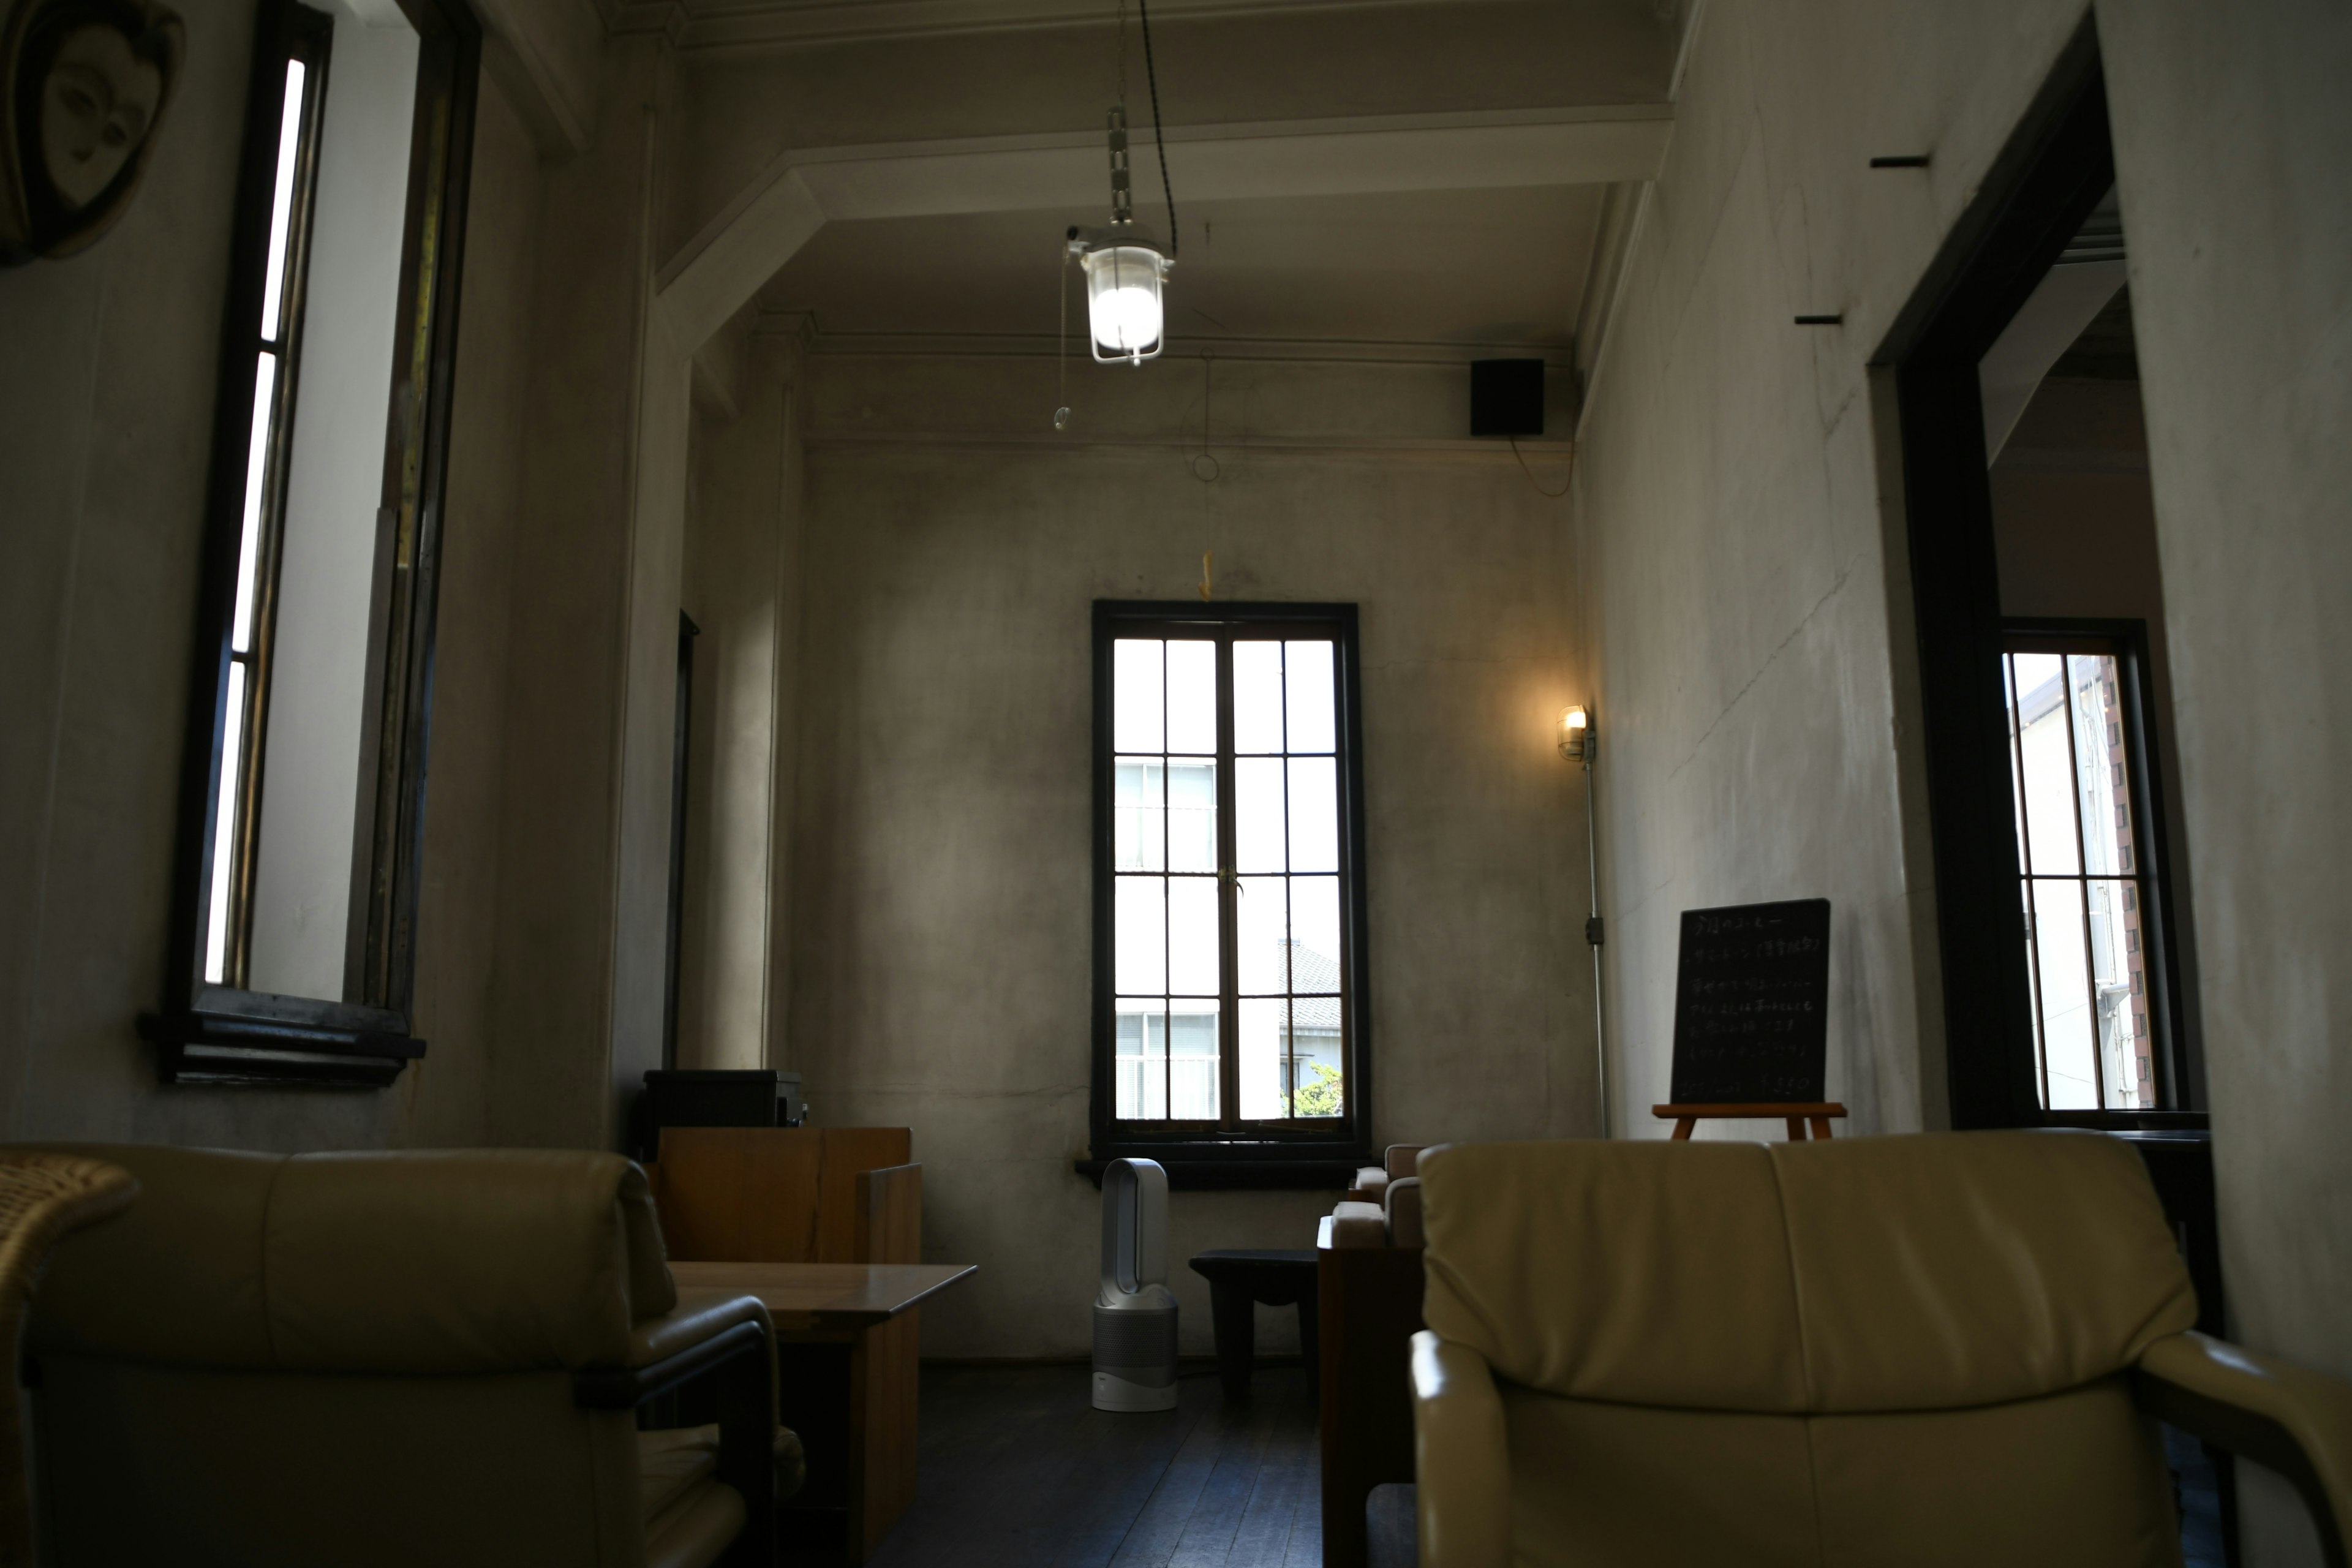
pixel 1577 741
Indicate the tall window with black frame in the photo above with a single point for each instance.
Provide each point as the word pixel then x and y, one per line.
pixel 2094 955
pixel 1228 881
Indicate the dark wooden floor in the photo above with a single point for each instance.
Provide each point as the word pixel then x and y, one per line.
pixel 1017 1468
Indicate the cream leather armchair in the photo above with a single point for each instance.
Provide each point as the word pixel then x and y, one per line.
pixel 1927 1349
pixel 390 1359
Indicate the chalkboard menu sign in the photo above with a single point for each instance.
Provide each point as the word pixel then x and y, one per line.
pixel 1751 1004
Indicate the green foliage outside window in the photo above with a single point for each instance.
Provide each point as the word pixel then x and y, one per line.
pixel 1320 1098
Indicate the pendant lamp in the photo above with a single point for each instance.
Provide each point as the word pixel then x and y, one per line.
pixel 1126 268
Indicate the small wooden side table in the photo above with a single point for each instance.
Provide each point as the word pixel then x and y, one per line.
pixel 1240 1278
pixel 1686 1117
pixel 855 1415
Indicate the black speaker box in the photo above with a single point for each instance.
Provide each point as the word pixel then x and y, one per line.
pixel 1506 397
pixel 712 1098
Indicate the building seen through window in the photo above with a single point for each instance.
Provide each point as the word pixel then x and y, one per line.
pixel 2091 965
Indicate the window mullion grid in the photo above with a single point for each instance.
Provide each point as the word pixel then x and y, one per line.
pixel 1229 1009
pixel 2082 879
pixel 261 630
pixel 277 340
pixel 2124 755
pixel 1286 1043
pixel 2025 851
pixel 1167 909
pixel 1343 804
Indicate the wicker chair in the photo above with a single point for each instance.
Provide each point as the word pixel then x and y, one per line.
pixel 42 1197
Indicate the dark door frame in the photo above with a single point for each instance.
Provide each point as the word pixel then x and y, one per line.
pixel 2056 168
pixel 2057 165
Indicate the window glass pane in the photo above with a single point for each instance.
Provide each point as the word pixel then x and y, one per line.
pixel 1261 929
pixel 2034 989
pixel 1265 1028
pixel 2118 970
pixel 1306 674
pixel 1257 696
pixel 1192 1074
pixel 1192 697
pixel 1140 961
pixel 2106 912
pixel 1257 814
pixel 1192 816
pixel 281 201
pixel 1141 1062
pixel 1314 814
pixel 257 473
pixel 2068 1011
pixel 1193 936
pixel 1314 934
pixel 232 769
pixel 2048 763
pixel 2099 761
pixel 1136 844
pixel 1135 705
pixel 2016 778
pixel 1311 1063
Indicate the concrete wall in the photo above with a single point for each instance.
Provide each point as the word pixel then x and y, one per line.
pixel 2227 127
pixel 106 398
pixel 941 977
pixel 570 618
pixel 465 853
pixel 1738 491
pixel 1745 611
pixel 743 588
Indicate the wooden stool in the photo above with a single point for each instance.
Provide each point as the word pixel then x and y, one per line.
pixel 1686 1117
pixel 1238 1278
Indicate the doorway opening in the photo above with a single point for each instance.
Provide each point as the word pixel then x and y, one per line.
pixel 2052 778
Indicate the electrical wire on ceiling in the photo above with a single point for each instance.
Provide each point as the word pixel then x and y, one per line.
pixel 1205 467
pixel 1548 495
pixel 1159 137
pixel 1125 267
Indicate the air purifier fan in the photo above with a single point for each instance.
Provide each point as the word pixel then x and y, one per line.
pixel 1135 1315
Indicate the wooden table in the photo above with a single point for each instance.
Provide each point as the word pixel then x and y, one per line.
pixel 1239 1279
pixel 846 1342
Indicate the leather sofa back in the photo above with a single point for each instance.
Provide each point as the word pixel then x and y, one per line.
pixel 1851 1276
pixel 411 1262
pixel 2075 1477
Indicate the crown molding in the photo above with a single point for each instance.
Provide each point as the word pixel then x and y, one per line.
pixel 1557 356
pixel 713 25
pixel 1432 448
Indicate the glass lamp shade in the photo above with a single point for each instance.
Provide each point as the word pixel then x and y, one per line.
pixel 1576 734
pixel 1123 305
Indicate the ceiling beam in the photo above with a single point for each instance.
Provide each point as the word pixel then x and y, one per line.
pixel 782 207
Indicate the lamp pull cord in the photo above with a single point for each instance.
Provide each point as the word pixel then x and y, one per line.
pixel 1062 343
pixel 1143 9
